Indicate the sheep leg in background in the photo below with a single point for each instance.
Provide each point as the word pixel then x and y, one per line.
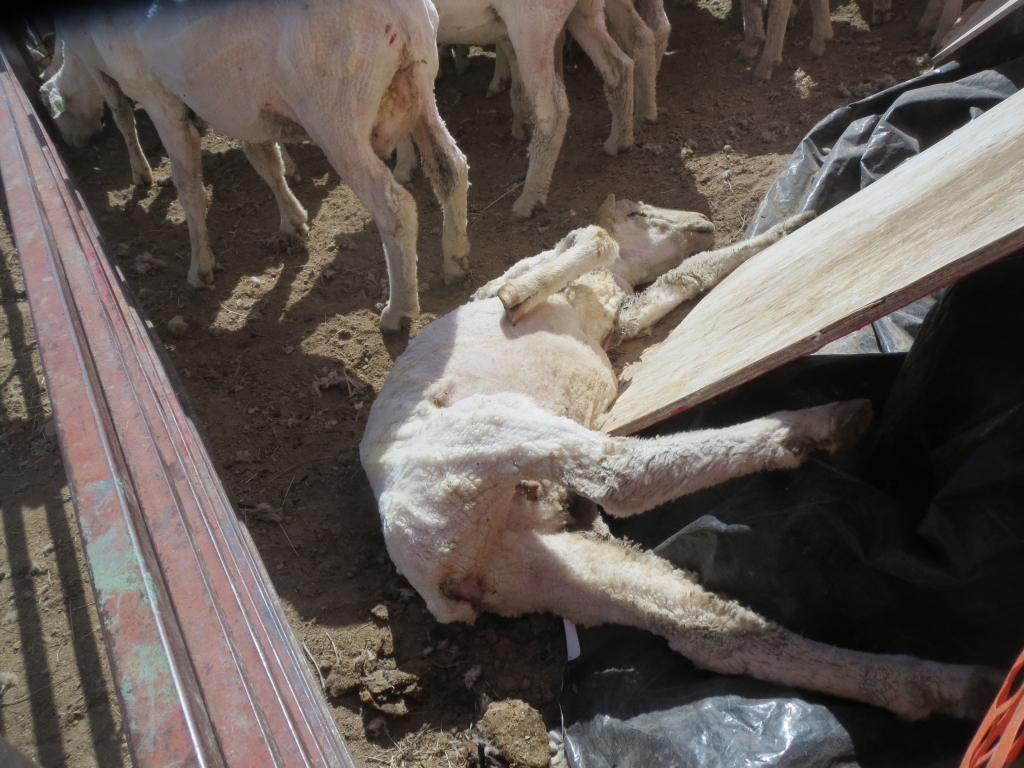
pixel 123 110
pixel 586 23
pixel 822 29
pixel 636 40
pixel 448 171
pixel 778 17
pixel 405 161
pixel 534 61
pixel 502 74
pixel 181 140
pixel 291 171
pixel 267 161
pixel 753 29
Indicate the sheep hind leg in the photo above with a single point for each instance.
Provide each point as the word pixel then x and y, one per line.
pixel 822 30
pixel 405 161
pixel 593 581
pixel 533 46
pixel 587 26
pixel 753 29
pixel 124 117
pixel 696 274
pixel 637 40
pixel 778 17
pixel 448 171
pixel 267 161
pixel 181 140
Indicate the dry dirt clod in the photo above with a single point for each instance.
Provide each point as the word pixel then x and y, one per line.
pixel 177 326
pixel 386 689
pixel 517 731
pixel 147 262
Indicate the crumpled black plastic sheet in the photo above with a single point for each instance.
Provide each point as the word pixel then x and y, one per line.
pixel 910 541
pixel 859 143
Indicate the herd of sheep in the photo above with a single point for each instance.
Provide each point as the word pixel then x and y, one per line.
pixel 484 447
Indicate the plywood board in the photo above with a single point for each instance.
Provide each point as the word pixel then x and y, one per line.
pixel 945 213
pixel 987 16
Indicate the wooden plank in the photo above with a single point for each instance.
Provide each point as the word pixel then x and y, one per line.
pixel 945 213
pixel 987 16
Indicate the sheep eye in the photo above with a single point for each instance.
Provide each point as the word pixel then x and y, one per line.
pixel 634 214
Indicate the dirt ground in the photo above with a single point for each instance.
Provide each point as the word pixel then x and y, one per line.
pixel 280 318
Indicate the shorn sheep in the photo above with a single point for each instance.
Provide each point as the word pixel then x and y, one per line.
pixel 483 453
pixel 354 76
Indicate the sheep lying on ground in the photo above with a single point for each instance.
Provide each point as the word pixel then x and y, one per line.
pixel 487 467
pixel 354 76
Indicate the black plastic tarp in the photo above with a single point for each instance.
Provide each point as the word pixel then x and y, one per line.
pixel 911 541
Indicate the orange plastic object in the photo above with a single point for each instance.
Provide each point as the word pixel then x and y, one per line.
pixel 1000 736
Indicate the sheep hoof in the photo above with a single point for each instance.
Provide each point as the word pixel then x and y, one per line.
pixel 763 71
pixel 982 688
pixel 392 320
pixel 816 48
pixel 455 270
pixel 849 421
pixel 525 207
pixel 144 179
pixel 749 50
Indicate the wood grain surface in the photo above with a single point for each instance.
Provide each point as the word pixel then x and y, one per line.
pixel 941 215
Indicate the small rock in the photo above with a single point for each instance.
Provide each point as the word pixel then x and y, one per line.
pixel 424 287
pixel 406 594
pixel 727 148
pixel 472 675
pixel 768 137
pixel 243 457
pixel 654 149
pixel 48 548
pixel 123 250
pixel 287 350
pixel 517 731
pixel 328 274
pixel 177 326
pixel 267 513
pixel 380 612
pixel 145 293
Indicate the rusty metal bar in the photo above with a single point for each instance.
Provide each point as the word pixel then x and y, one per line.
pixel 207 670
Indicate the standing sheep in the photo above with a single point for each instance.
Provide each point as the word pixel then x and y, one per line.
pixel 354 76
pixel 483 453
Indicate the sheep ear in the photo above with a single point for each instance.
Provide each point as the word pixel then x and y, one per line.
pixel 57 107
pixel 606 213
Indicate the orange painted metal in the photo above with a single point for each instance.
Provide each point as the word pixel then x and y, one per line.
pixel 1000 736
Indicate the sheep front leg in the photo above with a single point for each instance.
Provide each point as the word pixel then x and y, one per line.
pixel 181 140
pixel 631 475
pixel 266 159
pixel 593 581
pixel 124 118
pixel 448 171
pixel 697 274
pixel 291 171
pixel 579 252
